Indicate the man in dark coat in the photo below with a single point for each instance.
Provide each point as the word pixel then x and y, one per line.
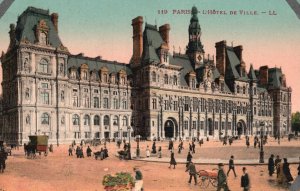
pixel 286 171
pixel 88 152
pixel 222 180
pixel 245 182
pixel 231 166
pixel 153 148
pixel 271 165
pixel 193 146
pixel 170 145
pixel 188 159
pixel 3 157
pixel 192 171
pixel 172 161
pixel 277 160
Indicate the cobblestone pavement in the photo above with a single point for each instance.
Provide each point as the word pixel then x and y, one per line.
pixel 58 171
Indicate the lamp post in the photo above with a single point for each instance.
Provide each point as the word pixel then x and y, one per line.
pixel 129 146
pixel 138 146
pixel 261 153
pixel 121 134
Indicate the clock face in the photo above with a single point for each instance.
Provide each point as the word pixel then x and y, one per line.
pixel 199 57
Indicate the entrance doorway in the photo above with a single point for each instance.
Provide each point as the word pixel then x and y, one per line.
pixel 241 127
pixel 169 129
pixel 106 135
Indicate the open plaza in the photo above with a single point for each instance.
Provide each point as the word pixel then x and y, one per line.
pixel 58 171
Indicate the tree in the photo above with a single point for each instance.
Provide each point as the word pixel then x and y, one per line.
pixel 296 121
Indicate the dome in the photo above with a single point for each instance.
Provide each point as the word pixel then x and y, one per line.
pixel 194 10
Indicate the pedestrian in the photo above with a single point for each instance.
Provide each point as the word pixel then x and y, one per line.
pixel 172 161
pixel 286 171
pixel 138 185
pixel 271 165
pixel 192 171
pixel 193 146
pixel 70 150
pixel 247 142
pixel 179 148
pixel 51 148
pixel 3 157
pixel 77 152
pixel 190 147
pixel 119 142
pixel 222 180
pixel 188 159
pixel 277 160
pixel 225 141
pixel 230 141
pixel 245 182
pixel 153 148
pixel 159 152
pixel 170 145
pixel 88 152
pixel 280 174
pixel 255 143
pixel 147 152
pixel 231 166
pixel 81 153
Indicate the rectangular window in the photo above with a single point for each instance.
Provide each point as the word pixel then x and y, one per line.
pixel 201 124
pixel 186 124
pixel 186 107
pixel 86 90
pixel 223 125
pixel 44 85
pixel 216 125
pixel 166 104
pixel 154 103
pixel 45 97
pixel 115 93
pixel 105 91
pixel 223 106
pixel 74 90
pixel 105 103
pixel 96 102
pixel 175 105
pixel 124 104
pixel 96 91
pixel 194 124
pixel 229 125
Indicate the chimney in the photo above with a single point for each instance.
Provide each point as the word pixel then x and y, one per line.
pixel 221 57
pixel 238 50
pixel 137 26
pixel 263 75
pixel 164 33
pixel 54 19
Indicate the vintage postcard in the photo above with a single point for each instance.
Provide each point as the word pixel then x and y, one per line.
pixel 149 95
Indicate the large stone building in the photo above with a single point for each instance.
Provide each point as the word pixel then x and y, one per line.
pixel 47 90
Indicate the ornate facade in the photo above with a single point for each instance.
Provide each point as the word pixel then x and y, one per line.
pixel 47 90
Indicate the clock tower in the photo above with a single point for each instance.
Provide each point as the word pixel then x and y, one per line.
pixel 195 49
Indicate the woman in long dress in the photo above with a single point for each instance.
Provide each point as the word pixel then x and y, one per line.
pixel 280 177
pixel 147 152
pixel 172 161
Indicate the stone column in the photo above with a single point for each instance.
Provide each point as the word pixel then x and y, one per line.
pixel 111 133
pixel 92 126
pixel 81 121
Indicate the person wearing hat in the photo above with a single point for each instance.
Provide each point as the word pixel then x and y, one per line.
pixel 271 165
pixel 222 179
pixel 138 186
pixel 245 182
pixel 192 171
pixel 231 166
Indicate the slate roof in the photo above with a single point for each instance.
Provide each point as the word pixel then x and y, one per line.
pixel 27 22
pixel 275 77
pixel 96 64
pixel 251 73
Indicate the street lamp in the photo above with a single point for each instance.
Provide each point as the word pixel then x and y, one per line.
pixel 137 146
pixel 261 153
pixel 129 146
pixel 121 134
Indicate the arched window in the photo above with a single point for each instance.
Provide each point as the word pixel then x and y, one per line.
pixel 45 119
pixel 86 120
pixel 61 68
pixel 96 120
pixel 115 103
pixel 84 75
pixel 193 83
pixel 125 121
pixel 75 119
pixel 166 79
pixel 106 120
pixel 105 102
pixel 43 66
pixel 115 120
pixel 244 90
pixel 153 77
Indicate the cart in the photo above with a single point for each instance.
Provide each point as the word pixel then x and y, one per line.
pixel 207 177
pixel 37 144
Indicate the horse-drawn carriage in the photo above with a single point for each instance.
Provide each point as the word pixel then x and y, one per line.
pixel 37 144
pixel 207 177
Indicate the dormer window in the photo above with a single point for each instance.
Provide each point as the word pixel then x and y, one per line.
pixel 84 75
pixel 175 80
pixel 193 83
pixel 73 74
